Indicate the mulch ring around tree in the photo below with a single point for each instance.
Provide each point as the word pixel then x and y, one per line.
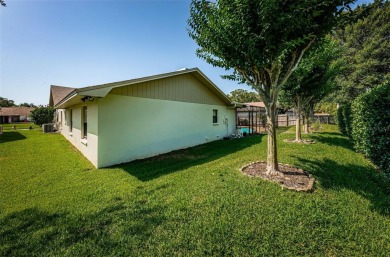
pixel 303 141
pixel 291 178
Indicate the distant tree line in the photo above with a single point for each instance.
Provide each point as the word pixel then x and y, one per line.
pixel 4 102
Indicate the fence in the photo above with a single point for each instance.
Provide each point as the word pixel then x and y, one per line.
pixel 285 120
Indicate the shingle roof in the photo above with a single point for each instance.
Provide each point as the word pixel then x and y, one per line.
pixel 256 104
pixel 16 111
pixel 60 95
pixel 57 93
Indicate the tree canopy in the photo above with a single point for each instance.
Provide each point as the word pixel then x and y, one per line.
pixel 313 79
pixel 42 115
pixel 261 42
pixel 366 52
pixel 28 105
pixel 4 102
pixel 243 96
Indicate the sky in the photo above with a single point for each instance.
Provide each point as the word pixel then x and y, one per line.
pixel 78 43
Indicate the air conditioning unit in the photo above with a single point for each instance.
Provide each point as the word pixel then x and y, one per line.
pixel 47 128
pixel 1 130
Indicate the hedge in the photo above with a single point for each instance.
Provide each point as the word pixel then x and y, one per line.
pixel 344 120
pixel 371 125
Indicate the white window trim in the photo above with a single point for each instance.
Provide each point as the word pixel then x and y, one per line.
pixel 216 123
pixel 84 141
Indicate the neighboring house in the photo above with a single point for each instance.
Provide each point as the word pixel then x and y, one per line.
pixel 127 120
pixel 15 114
pixel 251 117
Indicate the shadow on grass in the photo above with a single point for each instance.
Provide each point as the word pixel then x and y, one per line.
pixel 332 139
pixel 363 180
pixel 33 232
pixel 11 136
pixel 154 167
pixel 280 130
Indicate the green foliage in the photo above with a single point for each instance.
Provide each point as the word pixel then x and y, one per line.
pixel 316 125
pixel 243 96
pixel 249 36
pixel 340 120
pixel 344 119
pixel 326 107
pixel 314 77
pixel 366 53
pixel 42 115
pixel 4 102
pixel 371 125
pixel 192 202
pixel 262 42
pixel 28 105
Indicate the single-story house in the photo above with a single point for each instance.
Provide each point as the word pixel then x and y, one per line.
pixel 251 117
pixel 138 118
pixel 15 114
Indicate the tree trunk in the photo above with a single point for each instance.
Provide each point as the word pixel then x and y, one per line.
pixel 306 128
pixel 298 110
pixel 272 156
pixel 298 134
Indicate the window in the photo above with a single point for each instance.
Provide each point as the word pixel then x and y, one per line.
pixel 84 122
pixel 215 116
pixel 70 120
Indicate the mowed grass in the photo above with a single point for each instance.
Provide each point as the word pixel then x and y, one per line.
pixel 19 125
pixel 193 202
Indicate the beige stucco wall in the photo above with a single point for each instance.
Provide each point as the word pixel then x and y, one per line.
pixel 88 147
pixel 133 128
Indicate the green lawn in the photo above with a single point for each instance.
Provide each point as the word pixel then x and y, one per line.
pixel 19 125
pixel 191 202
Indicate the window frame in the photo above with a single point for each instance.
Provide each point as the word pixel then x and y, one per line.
pixel 215 116
pixel 70 120
pixel 84 122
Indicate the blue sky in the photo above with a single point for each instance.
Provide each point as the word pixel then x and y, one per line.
pixel 85 42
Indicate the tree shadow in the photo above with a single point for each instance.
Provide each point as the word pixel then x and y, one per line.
pixel 36 232
pixel 332 139
pixel 157 166
pixel 11 136
pixel 364 180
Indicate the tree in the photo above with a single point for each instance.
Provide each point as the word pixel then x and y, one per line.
pixel 311 82
pixel 3 3
pixel 42 115
pixel 28 105
pixel 4 102
pixel 366 54
pixel 262 42
pixel 243 96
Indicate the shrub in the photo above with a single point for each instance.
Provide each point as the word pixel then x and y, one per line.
pixel 371 125
pixel 340 120
pixel 344 120
pixel 316 126
pixel 42 115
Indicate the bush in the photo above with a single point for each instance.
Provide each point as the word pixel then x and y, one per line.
pixel 42 115
pixel 371 125
pixel 344 120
